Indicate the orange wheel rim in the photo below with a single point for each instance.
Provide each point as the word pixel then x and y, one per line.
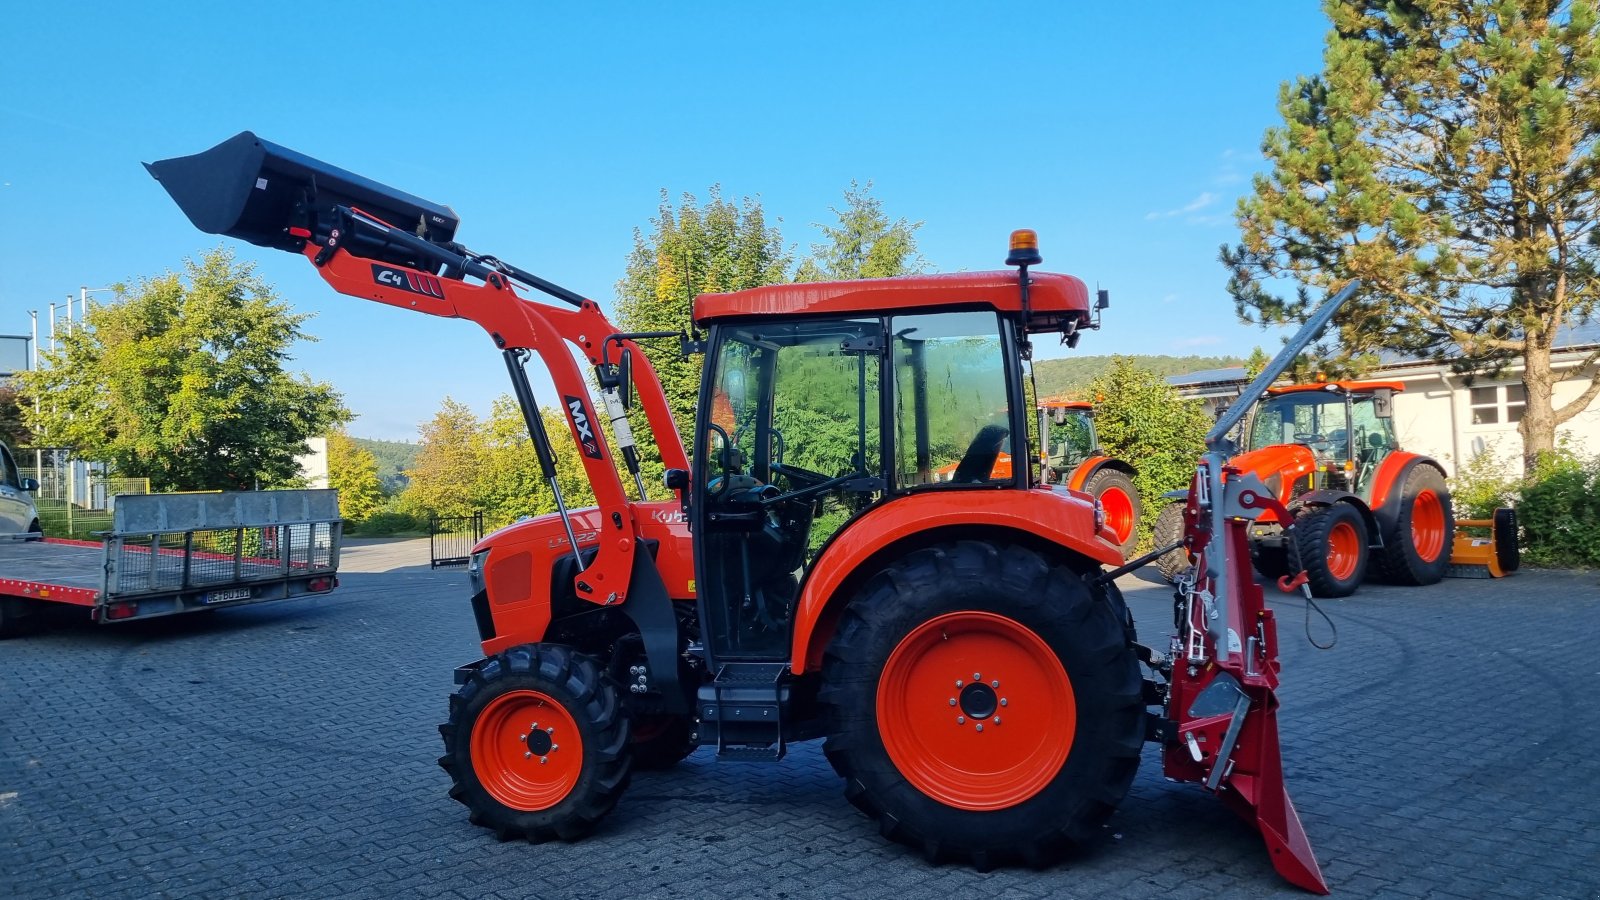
pixel 976 711
pixel 526 750
pixel 1118 508
pixel 1427 525
pixel 1344 550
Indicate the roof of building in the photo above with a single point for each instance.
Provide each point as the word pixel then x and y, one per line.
pixel 1207 376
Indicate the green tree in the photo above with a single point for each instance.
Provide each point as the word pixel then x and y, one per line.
pixel 1256 363
pixel 694 249
pixel 1141 419
pixel 181 380
pixel 1447 156
pixel 448 464
pixel 13 432
pixel 353 472
pixel 864 243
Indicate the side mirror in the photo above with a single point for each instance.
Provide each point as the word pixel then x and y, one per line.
pixel 1102 299
pixel 625 379
pixel 30 485
pixel 1383 403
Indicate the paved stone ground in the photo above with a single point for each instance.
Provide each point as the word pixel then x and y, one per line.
pixel 1445 747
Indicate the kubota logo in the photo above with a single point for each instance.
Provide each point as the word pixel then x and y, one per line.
pixel 583 427
pixel 411 282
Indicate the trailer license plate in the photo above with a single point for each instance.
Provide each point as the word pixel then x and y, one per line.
pixel 225 596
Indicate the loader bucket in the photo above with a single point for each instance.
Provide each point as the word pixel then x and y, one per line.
pixel 256 191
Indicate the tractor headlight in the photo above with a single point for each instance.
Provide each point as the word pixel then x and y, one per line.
pixel 475 564
pixel 1099 516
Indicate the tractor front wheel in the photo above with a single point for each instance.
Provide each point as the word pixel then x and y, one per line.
pixel 1120 501
pixel 983 704
pixel 537 744
pixel 1416 548
pixel 1332 545
pixel 1168 530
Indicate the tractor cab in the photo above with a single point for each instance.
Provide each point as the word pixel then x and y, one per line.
pixel 1067 430
pixel 1347 426
pixel 807 421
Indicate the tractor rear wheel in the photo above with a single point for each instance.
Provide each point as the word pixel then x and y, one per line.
pixel 1169 529
pixel 1416 548
pixel 1120 501
pixel 983 704
pixel 1332 545
pixel 537 744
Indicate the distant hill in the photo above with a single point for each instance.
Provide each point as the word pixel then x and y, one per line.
pixel 394 457
pixel 1066 376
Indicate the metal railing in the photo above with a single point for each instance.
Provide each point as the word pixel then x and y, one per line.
pixel 450 538
pixel 154 562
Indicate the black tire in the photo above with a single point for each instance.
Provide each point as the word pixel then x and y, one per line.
pixel 1312 531
pixel 1169 528
pixel 579 687
pixel 1506 551
pixel 1271 562
pixel 1108 479
pixel 661 742
pixel 37 530
pixel 18 616
pixel 1029 597
pixel 1400 562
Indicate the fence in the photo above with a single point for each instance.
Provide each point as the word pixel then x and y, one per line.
pixel 450 538
pixel 74 503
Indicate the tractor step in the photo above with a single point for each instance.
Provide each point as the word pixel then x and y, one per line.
pixel 741 711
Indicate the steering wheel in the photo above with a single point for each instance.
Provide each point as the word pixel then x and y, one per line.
pixel 1310 438
pixel 800 478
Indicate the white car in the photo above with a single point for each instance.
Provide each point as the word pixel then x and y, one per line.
pixel 18 516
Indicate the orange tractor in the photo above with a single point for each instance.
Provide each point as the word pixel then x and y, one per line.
pixel 960 645
pixel 1360 504
pixel 1070 455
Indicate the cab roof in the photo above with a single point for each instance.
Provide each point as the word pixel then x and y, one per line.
pixel 1053 298
pixel 1062 403
pixel 1348 387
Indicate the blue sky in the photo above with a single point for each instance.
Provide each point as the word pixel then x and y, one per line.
pixel 1122 133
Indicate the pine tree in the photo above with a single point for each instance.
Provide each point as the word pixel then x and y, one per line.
pixel 1447 156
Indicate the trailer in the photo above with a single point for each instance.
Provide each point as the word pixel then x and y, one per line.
pixel 177 553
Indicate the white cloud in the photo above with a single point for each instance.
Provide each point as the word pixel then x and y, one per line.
pixel 1205 199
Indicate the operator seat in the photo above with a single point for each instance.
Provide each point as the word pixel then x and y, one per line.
pixel 978 462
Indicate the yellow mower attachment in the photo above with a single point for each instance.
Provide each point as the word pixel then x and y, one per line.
pixel 1476 556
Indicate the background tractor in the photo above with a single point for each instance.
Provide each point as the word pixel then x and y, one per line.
pixel 1359 504
pixel 958 644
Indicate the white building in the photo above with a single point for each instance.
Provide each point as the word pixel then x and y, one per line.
pixel 1447 416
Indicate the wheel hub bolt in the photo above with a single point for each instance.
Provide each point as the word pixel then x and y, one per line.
pixel 1002 701
pixel 995 683
pixel 961 720
pixel 958 682
pixel 952 701
pixel 976 677
pixel 523 738
pixel 527 756
pixel 997 720
pixel 980 726
pixel 543 760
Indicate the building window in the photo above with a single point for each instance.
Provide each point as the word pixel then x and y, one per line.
pixel 1497 404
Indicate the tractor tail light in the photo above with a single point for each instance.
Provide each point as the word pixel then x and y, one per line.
pixel 122 611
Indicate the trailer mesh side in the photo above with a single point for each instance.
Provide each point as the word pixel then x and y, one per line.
pixel 177 560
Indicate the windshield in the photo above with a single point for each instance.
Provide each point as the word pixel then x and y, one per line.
pixel 1314 419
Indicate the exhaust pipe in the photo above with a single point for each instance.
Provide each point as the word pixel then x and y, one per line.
pixel 271 196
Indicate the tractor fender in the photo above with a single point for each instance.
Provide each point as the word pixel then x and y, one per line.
pixel 1328 497
pixel 1053 521
pixel 1086 470
pixel 1384 495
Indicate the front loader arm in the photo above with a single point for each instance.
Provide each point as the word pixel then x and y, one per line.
pixel 517 324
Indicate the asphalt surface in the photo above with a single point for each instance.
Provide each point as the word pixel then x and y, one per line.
pixel 1445 747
